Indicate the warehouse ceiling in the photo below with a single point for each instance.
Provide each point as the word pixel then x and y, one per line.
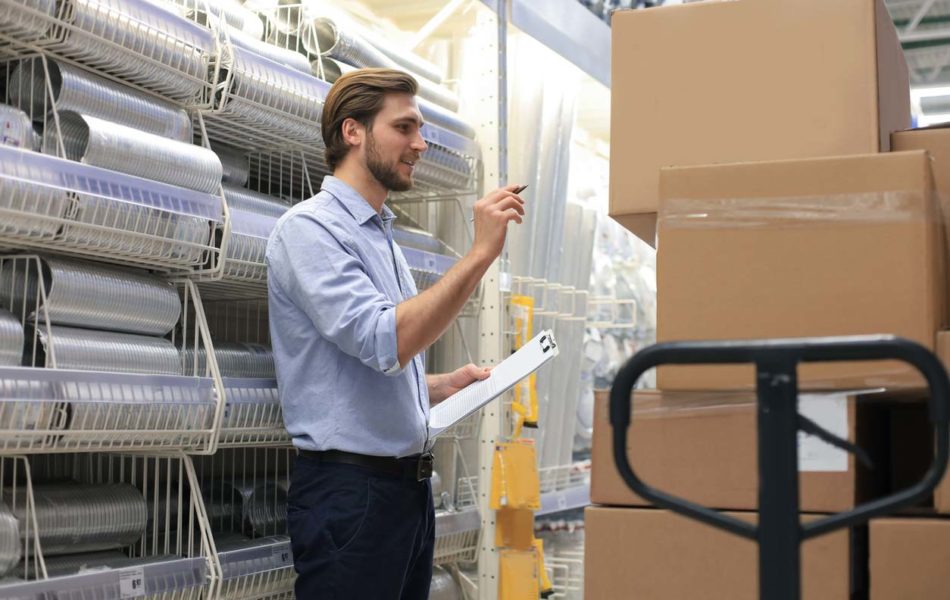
pixel 924 29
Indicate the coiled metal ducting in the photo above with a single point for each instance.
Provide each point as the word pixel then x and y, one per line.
pixel 11 546
pixel 235 359
pixel 93 350
pixel 84 294
pixel 119 148
pixel 79 91
pixel 11 339
pixel 74 517
pixel 324 37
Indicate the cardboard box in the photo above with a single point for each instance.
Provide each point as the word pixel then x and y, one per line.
pixel 747 80
pixel 635 553
pixel 908 559
pixel 703 447
pixel 936 141
pixel 818 247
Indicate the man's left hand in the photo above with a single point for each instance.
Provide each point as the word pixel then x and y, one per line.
pixel 444 385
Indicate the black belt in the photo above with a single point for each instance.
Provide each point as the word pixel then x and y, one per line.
pixel 418 467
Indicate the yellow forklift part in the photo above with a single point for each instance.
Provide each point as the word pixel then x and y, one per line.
pixel 515 482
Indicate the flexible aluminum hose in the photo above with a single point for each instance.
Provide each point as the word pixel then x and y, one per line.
pixel 10 544
pixel 235 169
pixel 282 56
pixel 255 202
pixel 74 517
pixel 112 146
pixel 80 91
pixel 93 350
pixel 16 129
pixel 85 294
pixel 11 340
pixel 324 37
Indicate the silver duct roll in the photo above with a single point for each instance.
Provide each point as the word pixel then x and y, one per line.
pixel 157 47
pixel 80 91
pixel 235 168
pixel 254 202
pixel 438 115
pixel 16 129
pixel 252 407
pixel 32 201
pixel 322 39
pixel 88 295
pixel 326 38
pixel 10 543
pixel 120 148
pixel 444 169
pixel 277 54
pixel 235 359
pixel 92 350
pixel 11 340
pixel 406 59
pixel 256 508
pixel 27 20
pixel 74 517
pixel 232 12
pixel 280 99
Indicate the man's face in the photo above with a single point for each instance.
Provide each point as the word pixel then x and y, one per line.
pixel 394 144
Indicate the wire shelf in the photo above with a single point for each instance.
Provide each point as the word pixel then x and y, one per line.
pixel 168 556
pixel 244 491
pixel 69 208
pixel 45 408
pixel 137 42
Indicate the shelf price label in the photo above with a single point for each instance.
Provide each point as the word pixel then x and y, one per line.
pixel 131 583
pixel 282 555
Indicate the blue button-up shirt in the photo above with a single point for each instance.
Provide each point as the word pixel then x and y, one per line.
pixel 335 277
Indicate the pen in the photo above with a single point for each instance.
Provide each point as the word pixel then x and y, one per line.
pixel 517 190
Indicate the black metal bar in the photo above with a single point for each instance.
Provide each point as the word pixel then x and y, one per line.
pixel 777 362
pixel 779 531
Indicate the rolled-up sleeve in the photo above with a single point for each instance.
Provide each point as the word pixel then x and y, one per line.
pixel 325 278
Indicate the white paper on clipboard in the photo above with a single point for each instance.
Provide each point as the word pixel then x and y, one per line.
pixel 503 377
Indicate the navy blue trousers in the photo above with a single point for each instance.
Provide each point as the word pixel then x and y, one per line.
pixel 359 534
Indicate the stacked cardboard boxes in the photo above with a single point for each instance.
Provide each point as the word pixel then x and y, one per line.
pixel 751 142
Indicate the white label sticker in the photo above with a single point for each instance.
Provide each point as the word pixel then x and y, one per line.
pixel 131 583
pixel 561 501
pixel 282 555
pixel 830 412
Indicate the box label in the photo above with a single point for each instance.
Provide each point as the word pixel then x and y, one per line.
pixel 830 412
pixel 131 583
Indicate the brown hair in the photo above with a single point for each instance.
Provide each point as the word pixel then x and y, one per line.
pixel 358 95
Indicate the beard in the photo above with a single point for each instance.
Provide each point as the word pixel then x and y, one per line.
pixel 386 174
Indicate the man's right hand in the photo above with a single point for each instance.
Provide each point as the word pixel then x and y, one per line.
pixel 492 215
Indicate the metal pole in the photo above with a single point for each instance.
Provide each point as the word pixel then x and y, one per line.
pixel 779 528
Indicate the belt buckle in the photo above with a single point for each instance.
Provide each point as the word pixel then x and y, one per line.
pixel 424 467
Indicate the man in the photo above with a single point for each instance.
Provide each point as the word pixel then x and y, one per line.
pixel 348 331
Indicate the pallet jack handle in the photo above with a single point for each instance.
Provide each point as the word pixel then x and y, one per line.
pixel 779 531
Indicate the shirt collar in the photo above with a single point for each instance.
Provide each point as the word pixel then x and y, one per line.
pixel 353 202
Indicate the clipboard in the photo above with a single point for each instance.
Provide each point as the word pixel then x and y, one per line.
pixel 528 359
